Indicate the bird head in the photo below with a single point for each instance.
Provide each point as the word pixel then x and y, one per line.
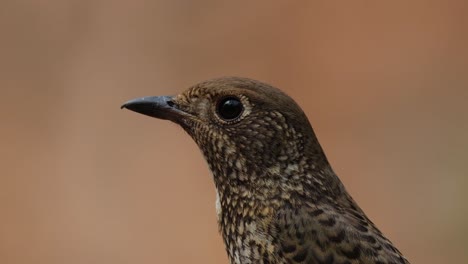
pixel 272 178
pixel 253 136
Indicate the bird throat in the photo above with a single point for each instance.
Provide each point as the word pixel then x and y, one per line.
pixel 244 217
pixel 242 224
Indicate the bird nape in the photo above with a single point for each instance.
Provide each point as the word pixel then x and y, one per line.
pixel 278 199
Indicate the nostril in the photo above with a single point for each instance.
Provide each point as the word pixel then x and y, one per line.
pixel 170 103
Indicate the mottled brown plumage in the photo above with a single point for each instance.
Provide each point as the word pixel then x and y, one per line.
pixel 278 199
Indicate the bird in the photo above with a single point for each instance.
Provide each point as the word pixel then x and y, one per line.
pixel 278 200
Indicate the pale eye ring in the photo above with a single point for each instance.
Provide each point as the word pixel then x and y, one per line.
pixel 229 108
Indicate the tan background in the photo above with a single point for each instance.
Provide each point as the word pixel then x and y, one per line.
pixel 385 84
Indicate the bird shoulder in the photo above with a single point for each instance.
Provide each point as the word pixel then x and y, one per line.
pixel 327 234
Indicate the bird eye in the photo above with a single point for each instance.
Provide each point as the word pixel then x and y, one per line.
pixel 229 108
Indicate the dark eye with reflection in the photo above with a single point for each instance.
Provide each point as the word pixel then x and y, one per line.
pixel 229 108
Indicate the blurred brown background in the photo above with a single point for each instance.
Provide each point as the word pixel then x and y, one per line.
pixel 384 84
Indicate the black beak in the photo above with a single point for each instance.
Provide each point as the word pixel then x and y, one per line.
pixel 155 106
